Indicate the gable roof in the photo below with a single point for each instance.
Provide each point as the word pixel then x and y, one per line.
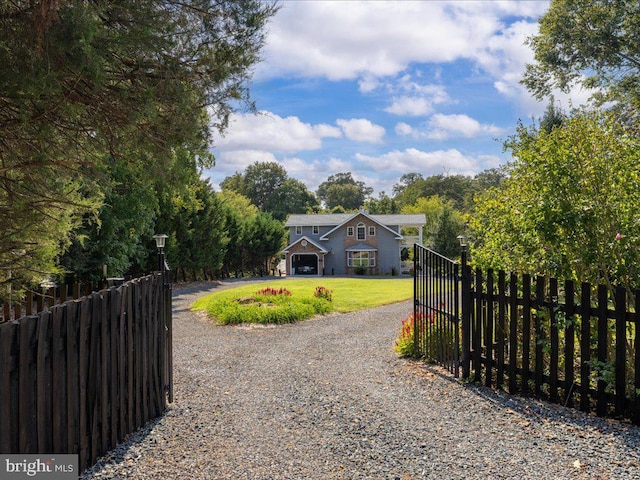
pixel 335 219
pixel 308 240
pixel 354 215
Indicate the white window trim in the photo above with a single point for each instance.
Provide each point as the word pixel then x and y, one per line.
pixel 372 231
pixel 350 231
pixel 316 230
pixel 371 255
pixel 364 232
pixel 298 230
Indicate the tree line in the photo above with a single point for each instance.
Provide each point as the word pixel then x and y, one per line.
pixel 105 119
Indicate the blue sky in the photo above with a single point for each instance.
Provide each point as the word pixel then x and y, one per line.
pixel 380 89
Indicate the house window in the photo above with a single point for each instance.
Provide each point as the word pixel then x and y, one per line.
pixel 316 229
pixel 361 259
pixel 350 231
pixel 298 230
pixel 361 232
pixel 372 231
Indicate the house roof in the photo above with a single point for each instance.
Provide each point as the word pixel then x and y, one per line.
pixel 361 247
pixel 308 240
pixel 335 219
pixel 366 215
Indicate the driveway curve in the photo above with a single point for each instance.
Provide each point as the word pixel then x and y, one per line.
pixel 329 399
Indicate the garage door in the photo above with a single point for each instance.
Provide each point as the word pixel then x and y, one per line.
pixel 305 264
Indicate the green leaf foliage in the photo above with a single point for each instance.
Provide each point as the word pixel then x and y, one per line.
pixel 570 204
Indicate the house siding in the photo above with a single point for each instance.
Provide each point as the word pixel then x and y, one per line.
pixel 334 261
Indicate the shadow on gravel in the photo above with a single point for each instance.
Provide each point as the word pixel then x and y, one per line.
pixel 540 411
pixel 119 454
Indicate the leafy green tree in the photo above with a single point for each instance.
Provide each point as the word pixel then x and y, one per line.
pixel 457 188
pixel 240 213
pixel 593 44
pixel 265 238
pixel 569 207
pixel 268 186
pixel 443 224
pixel 381 205
pixel 115 237
pixel 341 189
pixel 84 83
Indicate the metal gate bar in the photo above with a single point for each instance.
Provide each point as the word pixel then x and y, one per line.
pixel 437 308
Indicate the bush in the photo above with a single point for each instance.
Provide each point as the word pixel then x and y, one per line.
pixel 404 344
pixel 322 292
pixel 268 306
pixel 272 291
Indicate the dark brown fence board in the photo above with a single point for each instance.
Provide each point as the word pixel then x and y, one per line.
pixel 104 374
pixel 83 371
pixel 569 343
pixel 526 333
pixel 554 341
pixel 602 354
pixel 621 349
pixel 59 361
pixel 79 376
pixel 489 333
pixel 122 364
pixel 73 386
pixel 500 332
pixel 513 333
pixel 28 384
pixel 44 390
pixel 6 340
pixel 585 346
pixel 539 336
pixel 131 410
pixel 548 318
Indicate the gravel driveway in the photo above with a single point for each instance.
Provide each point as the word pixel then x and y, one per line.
pixel 328 399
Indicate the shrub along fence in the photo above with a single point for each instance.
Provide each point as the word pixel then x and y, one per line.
pixel 79 376
pixel 551 340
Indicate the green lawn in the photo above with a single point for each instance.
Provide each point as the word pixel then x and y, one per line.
pixel 348 295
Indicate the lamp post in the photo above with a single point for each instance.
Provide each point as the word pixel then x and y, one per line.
pixel 466 303
pixel 160 239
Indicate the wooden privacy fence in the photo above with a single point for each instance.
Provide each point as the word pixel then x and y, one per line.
pixel 539 337
pixel 35 302
pixel 78 377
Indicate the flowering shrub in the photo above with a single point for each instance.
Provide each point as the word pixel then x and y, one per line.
pixel 322 292
pixel 272 291
pixel 404 344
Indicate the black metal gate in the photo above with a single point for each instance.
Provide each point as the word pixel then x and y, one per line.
pixel 437 308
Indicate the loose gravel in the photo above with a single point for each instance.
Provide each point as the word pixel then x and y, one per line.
pixel 329 399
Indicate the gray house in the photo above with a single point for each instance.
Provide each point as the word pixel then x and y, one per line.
pixel 349 243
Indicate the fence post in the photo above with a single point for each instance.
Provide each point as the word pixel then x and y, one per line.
pixel 466 315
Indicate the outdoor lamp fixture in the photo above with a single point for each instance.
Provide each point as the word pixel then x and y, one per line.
pixel 160 239
pixel 463 240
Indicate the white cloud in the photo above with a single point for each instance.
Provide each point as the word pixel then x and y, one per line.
pixel 404 129
pixel 410 106
pixel 270 132
pixel 361 130
pixel 359 39
pixel 427 163
pixel 446 126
